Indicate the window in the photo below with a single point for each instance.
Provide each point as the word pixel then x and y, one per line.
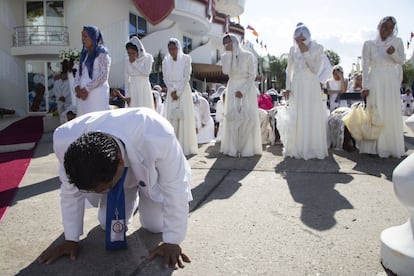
pixel 187 45
pixel 137 26
pixel 44 21
pixel 44 13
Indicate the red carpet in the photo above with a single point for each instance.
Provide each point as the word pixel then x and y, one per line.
pixel 13 165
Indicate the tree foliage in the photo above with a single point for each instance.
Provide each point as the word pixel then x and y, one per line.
pixel 333 57
pixel 276 74
pixel 408 73
pixel 277 71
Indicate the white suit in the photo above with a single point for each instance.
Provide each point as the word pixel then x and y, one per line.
pixel 158 171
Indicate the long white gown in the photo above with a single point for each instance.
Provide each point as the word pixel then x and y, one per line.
pixel 180 113
pixel 137 85
pixel 302 125
pixel 382 75
pixel 241 126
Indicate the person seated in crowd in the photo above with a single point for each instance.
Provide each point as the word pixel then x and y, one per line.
pixel 338 135
pixel 407 102
pixel 215 98
pixel 335 86
pixel 204 121
pixel 117 98
pixel 219 117
pixel 268 135
pixel 158 101
pixel 355 85
pixel 276 96
pixel 265 101
pixel 68 114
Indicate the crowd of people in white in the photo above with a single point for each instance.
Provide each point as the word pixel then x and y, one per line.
pixel 306 117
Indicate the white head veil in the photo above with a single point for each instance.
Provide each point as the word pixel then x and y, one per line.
pixel 169 61
pixel 378 40
pixel 301 29
pixel 137 42
pixel 177 44
pixel 236 50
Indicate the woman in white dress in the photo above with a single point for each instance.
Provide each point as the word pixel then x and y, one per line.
pixel 241 134
pixel 138 66
pixel 91 81
pixel 382 61
pixel 302 125
pixel 178 105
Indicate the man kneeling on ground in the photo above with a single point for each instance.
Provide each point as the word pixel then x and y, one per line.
pixel 119 166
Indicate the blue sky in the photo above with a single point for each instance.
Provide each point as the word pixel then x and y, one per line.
pixel 341 26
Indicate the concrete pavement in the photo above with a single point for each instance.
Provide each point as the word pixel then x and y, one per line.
pixel 265 215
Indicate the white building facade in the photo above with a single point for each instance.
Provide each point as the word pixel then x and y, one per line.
pixel 34 32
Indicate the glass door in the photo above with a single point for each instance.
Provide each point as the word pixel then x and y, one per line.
pixel 40 80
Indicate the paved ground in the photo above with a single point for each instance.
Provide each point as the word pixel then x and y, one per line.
pixel 266 215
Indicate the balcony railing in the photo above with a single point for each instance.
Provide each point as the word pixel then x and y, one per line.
pixel 40 35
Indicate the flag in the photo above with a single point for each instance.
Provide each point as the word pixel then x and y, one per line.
pixel 211 9
pixel 253 30
pixel 227 24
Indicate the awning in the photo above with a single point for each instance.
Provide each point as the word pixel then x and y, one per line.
pixel 208 72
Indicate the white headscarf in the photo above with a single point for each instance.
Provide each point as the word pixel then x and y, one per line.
pixel 236 50
pixel 386 42
pixel 177 44
pixel 301 29
pixel 141 49
pixel 170 60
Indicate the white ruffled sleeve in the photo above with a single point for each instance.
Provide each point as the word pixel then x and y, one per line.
pixel 100 71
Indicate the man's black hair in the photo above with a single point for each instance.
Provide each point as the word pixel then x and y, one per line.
pixel 92 159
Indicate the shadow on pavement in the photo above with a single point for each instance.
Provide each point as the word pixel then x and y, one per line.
pixel 371 164
pixel 312 184
pixel 226 172
pixel 36 189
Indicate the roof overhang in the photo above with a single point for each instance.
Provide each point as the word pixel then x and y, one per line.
pixel 209 73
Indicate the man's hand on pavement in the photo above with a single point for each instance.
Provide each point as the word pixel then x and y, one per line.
pixel 68 248
pixel 172 255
